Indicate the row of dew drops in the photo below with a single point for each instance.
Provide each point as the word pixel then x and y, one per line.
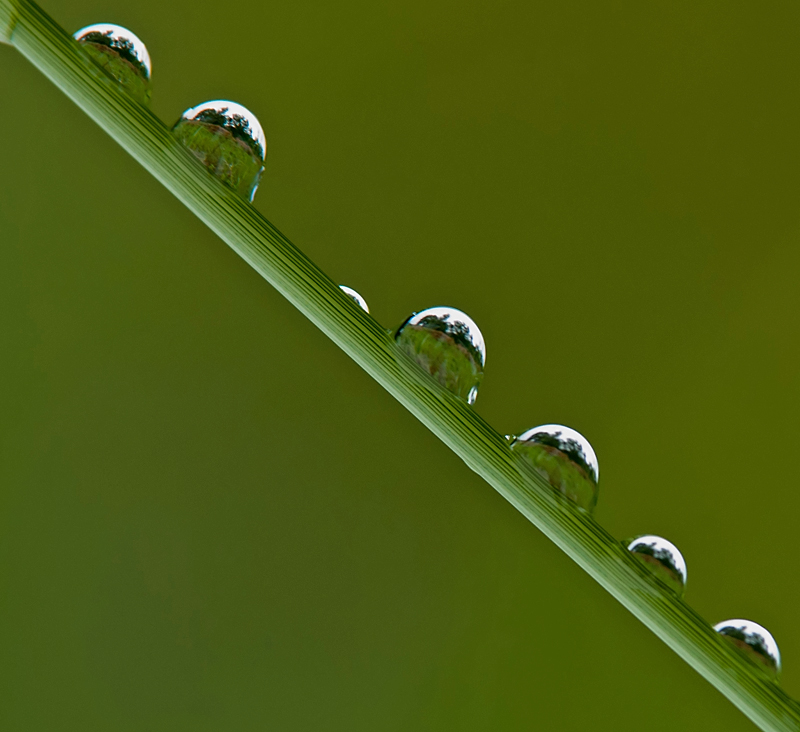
pixel 229 141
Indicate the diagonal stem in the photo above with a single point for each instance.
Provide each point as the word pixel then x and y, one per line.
pixel 275 258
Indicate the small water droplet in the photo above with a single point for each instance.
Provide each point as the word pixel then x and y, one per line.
pixel 227 138
pixel 565 459
pixel 755 642
pixel 360 301
pixel 449 346
pixel 121 54
pixel 662 558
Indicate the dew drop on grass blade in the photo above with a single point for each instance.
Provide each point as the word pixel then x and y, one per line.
pixel 227 138
pixel 121 54
pixel 449 346
pixel 565 459
pixel 662 558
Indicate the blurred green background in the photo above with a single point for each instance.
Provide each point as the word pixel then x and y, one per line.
pixel 211 519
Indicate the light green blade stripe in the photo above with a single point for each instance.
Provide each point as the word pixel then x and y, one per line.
pixel 255 239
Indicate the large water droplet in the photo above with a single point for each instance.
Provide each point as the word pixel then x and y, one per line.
pixel 564 458
pixel 227 138
pixel 449 346
pixel 662 558
pixel 360 301
pixel 121 54
pixel 753 641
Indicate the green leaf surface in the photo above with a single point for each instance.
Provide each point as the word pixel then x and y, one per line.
pixel 485 451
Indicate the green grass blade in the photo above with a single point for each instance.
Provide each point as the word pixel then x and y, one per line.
pixel 271 254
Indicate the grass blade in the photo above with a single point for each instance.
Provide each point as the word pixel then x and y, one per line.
pixel 273 256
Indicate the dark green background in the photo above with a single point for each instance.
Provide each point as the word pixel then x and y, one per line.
pixel 211 519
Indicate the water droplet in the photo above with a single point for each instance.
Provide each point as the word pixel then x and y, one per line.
pixel 228 140
pixel 360 301
pixel 449 346
pixel 753 641
pixel 565 459
pixel 662 558
pixel 121 54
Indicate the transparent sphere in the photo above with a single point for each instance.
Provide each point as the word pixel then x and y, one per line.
pixel 449 346
pixel 121 54
pixel 753 641
pixel 662 558
pixel 227 138
pixel 360 301
pixel 565 459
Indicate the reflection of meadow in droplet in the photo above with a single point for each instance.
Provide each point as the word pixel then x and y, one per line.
pixel 121 54
pixel 227 138
pixel 753 641
pixel 565 459
pixel 663 559
pixel 449 346
pixel 360 301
